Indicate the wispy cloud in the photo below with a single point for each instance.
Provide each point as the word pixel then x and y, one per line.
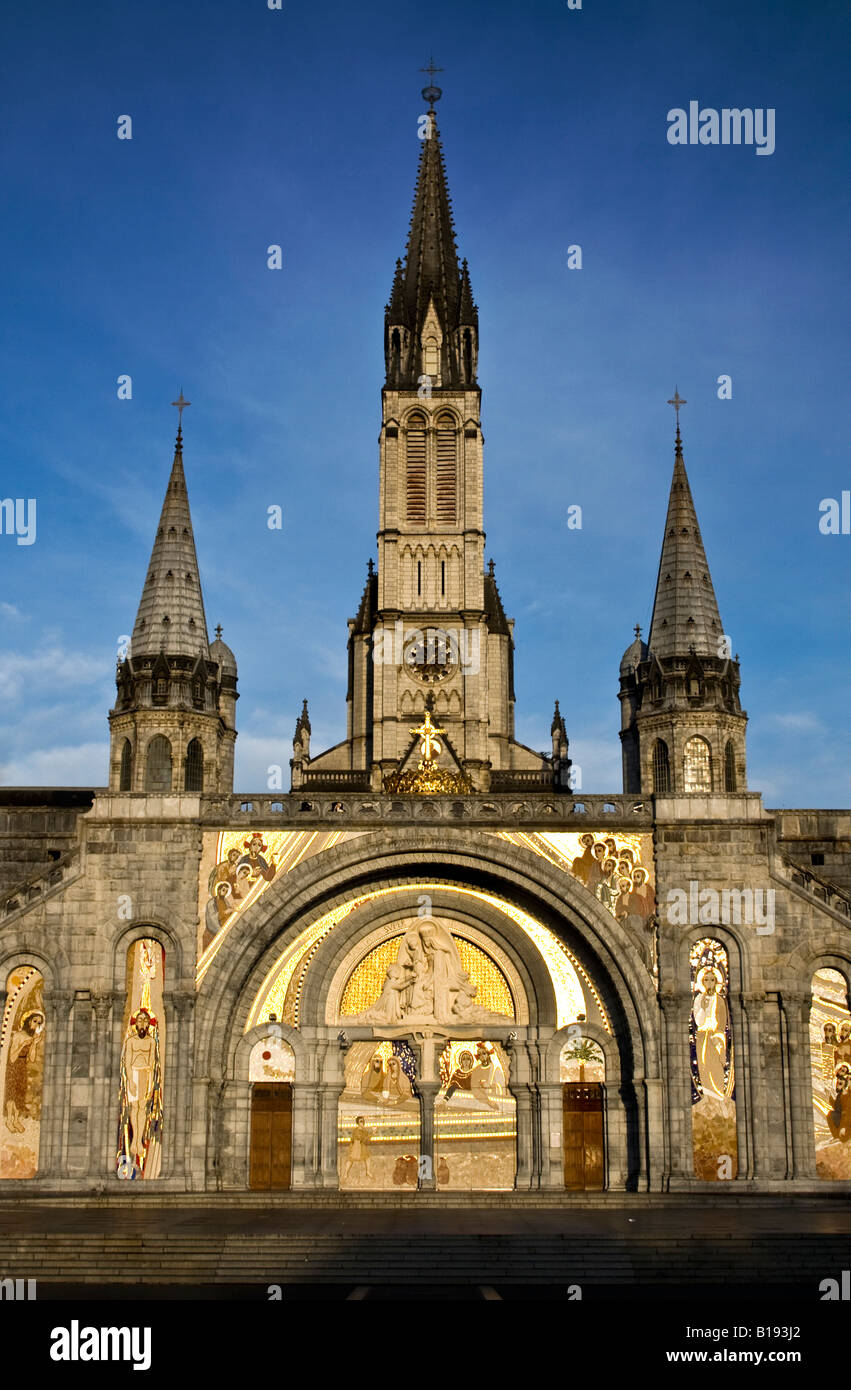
pixel 69 765
pixel 35 672
pixel 802 721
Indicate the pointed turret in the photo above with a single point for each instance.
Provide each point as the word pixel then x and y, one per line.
pixel 682 724
pixel 171 610
pixel 173 727
pixel 685 611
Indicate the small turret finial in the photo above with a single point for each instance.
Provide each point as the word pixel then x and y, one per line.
pixel 677 401
pixel 218 632
pixel 638 629
pixel 181 406
pixel 431 94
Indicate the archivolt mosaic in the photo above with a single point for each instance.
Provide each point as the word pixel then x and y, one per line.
pixel 617 868
pixel 237 866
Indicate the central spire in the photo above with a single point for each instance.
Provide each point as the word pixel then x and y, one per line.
pixel 431 321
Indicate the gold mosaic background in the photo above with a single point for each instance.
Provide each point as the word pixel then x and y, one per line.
pixel 366 982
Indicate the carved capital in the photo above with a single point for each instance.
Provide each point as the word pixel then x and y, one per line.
pixel 102 1006
pixel 182 1002
pixel 58 1004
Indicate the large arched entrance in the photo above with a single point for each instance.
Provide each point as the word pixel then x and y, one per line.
pixel 430 1003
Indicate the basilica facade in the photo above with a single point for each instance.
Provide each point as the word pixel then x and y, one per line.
pixel 434 964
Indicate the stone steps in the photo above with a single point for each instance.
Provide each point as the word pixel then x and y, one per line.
pixel 208 1258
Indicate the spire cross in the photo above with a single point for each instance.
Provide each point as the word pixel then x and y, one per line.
pixel 676 401
pixel 431 69
pixel 431 94
pixel 181 406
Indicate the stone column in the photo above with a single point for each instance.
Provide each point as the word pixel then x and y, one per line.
pixel 528 1172
pixel 427 1093
pixel 615 1156
pixel 754 1030
pixel 676 1007
pixel 796 1036
pixel 328 1175
pixel 56 1084
pixel 103 1116
pixel 180 1010
pixel 551 1100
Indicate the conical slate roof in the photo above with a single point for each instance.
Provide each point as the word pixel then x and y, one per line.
pixel 171 615
pixel 685 610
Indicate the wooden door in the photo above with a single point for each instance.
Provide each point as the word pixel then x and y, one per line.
pixel 271 1135
pixel 583 1136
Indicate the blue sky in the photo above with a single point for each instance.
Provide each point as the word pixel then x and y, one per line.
pixel 299 127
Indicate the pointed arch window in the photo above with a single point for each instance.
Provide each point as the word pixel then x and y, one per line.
pixel 158 765
pixel 661 768
pixel 468 356
pixel 416 470
pixel 729 767
pixel 125 779
pixel 447 469
pixel 697 766
pixel 193 779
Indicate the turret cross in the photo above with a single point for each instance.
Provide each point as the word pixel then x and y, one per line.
pixel 676 401
pixel 181 406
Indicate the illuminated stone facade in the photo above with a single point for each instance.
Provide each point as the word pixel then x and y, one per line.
pixel 430 965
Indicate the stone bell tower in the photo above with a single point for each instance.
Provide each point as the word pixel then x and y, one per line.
pixel 431 632
pixel 682 723
pixel 173 727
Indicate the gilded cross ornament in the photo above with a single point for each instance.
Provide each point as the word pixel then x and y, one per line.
pixel 428 733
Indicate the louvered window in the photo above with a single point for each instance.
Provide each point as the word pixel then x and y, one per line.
pixel 416 472
pixel 126 776
pixel 193 780
pixel 446 469
pixel 158 765
pixel 729 768
pixel 661 768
